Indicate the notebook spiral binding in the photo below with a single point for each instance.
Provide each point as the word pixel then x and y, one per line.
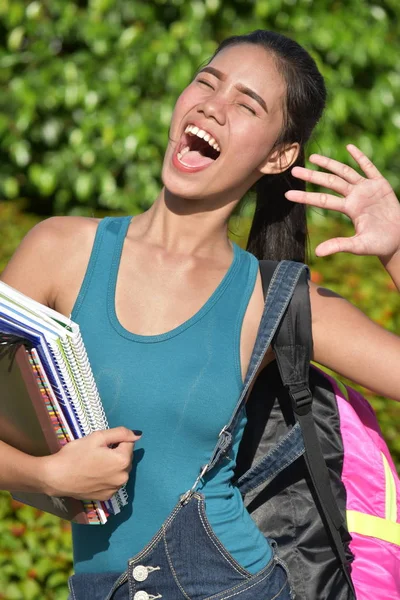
pixel 96 408
pixel 76 375
pixel 84 392
pixel 123 495
pixel 87 391
pixel 80 414
pixel 96 413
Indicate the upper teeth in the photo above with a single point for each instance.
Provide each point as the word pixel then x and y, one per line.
pixel 193 130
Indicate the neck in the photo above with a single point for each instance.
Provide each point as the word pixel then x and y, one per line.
pixel 187 227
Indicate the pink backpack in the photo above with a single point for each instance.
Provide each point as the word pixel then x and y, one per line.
pixel 373 498
pixel 333 506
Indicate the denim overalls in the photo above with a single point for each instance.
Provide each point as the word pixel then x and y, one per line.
pixel 185 560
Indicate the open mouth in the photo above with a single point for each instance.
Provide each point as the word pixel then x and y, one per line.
pixel 197 149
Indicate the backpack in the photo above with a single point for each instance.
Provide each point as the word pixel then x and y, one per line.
pixel 335 510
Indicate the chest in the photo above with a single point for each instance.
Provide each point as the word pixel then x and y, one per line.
pixel 153 294
pixel 187 384
pixel 156 293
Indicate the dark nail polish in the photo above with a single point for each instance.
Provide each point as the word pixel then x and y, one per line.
pixel 137 431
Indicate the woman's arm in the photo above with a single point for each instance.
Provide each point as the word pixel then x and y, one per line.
pixel 84 468
pixel 345 339
pixel 392 266
pixel 50 261
pixel 348 342
pixel 21 472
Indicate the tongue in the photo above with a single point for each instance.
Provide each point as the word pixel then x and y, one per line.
pixel 193 158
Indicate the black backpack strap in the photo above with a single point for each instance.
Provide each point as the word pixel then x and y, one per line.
pixel 293 348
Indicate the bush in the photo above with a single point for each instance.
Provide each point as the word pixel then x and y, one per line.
pixel 91 85
pixel 14 224
pixel 35 553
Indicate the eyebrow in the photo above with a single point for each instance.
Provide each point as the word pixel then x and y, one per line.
pixel 242 88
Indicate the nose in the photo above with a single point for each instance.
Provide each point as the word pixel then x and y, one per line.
pixel 213 108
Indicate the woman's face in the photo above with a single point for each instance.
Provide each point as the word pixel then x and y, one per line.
pixel 224 125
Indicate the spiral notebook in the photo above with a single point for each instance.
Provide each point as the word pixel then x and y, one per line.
pixel 43 357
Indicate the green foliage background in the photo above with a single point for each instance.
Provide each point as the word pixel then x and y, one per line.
pixel 88 88
pixel 87 91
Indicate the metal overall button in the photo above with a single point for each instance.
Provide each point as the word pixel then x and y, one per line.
pixel 140 573
pixel 141 596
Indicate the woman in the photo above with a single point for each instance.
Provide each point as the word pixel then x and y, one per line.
pixel 177 307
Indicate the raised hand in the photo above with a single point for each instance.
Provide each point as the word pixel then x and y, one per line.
pixel 368 200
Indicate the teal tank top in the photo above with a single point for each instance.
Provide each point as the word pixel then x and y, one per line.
pixel 180 388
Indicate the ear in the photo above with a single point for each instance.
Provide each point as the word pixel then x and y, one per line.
pixel 280 159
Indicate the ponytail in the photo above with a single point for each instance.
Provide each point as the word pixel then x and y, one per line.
pixel 279 228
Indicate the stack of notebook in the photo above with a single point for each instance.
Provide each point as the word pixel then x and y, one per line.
pixel 48 396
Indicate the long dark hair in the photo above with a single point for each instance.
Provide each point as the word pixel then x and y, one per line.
pixel 279 228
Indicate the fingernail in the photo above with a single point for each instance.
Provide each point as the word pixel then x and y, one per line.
pixel 137 431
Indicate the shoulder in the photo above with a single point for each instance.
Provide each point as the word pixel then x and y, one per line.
pixel 59 230
pixel 331 312
pixel 247 256
pixel 51 249
pixel 348 342
pixel 337 323
pixel 55 233
pixel 323 300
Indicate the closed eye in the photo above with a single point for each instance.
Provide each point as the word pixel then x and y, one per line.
pixel 249 108
pixel 207 83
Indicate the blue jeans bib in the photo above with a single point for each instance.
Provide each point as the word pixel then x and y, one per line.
pixel 184 560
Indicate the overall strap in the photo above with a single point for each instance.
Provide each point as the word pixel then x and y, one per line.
pixel 285 452
pixel 293 348
pixel 282 286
